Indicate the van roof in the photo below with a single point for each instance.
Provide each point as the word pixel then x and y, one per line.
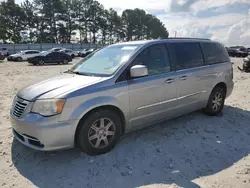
pixel 141 42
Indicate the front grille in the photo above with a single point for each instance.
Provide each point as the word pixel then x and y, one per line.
pixel 19 106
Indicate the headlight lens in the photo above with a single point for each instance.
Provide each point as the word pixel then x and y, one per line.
pixel 48 107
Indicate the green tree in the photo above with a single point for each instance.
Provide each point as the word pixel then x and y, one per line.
pixel 12 21
pixel 67 21
pixel 30 20
pixel 48 21
pixel 49 12
pixel 138 25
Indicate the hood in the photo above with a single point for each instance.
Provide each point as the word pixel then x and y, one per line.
pixel 15 55
pixel 53 87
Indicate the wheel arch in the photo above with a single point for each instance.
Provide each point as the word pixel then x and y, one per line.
pixel 221 85
pixel 110 107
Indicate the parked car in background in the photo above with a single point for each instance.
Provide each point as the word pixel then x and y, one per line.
pixel 120 88
pixel 242 53
pixel 82 52
pixel 4 51
pixel 23 55
pixel 87 52
pixel 248 51
pixel 2 57
pixel 50 58
pixel 232 52
pixel 72 53
pixel 236 52
pixel 56 49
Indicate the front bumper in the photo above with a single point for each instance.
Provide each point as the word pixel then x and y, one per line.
pixel 43 133
pixel 11 58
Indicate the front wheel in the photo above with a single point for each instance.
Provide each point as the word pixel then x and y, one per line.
pixel 65 61
pixel 19 59
pixel 41 62
pixel 216 102
pixel 99 132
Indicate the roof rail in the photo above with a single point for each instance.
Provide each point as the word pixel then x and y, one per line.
pixel 185 38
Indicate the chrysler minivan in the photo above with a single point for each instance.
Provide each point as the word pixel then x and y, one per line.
pixel 120 88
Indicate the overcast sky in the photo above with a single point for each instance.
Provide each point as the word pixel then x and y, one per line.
pixel 225 20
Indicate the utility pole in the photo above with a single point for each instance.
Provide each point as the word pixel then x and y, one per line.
pixel 175 33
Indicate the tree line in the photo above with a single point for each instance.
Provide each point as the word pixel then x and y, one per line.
pixel 60 21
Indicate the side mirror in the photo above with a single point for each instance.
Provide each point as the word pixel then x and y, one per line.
pixel 138 71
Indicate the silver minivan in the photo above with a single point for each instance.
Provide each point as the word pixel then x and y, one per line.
pixel 122 87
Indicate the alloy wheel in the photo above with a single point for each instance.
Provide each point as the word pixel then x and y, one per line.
pixel 101 133
pixel 217 101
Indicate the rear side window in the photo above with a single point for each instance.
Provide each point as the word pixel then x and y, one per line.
pixel 214 53
pixel 33 52
pixel 186 55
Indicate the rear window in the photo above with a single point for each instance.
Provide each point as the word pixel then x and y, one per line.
pixel 214 53
pixel 186 55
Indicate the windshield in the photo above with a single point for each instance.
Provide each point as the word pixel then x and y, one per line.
pixel 44 53
pixel 105 61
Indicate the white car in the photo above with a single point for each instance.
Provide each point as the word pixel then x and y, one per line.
pixel 23 55
pixel 56 49
pixel 4 51
pixel 72 53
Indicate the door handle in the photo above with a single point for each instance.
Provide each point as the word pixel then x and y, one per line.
pixel 169 81
pixel 183 77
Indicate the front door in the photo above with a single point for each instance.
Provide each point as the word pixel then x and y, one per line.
pixel 153 96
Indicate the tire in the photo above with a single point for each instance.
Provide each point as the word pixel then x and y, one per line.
pixel 19 59
pixel 215 102
pixel 41 62
pixel 90 135
pixel 73 56
pixel 65 61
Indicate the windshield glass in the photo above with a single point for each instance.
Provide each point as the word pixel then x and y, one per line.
pixel 45 53
pixel 105 61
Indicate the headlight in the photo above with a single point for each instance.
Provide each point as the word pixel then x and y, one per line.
pixel 48 107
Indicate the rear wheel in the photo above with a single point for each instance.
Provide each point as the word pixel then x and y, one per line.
pixel 65 61
pixel 216 102
pixel 99 132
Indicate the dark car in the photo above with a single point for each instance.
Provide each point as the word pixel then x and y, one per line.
pixel 232 52
pixel 236 53
pixel 2 57
pixel 82 52
pixel 87 52
pixel 50 58
pixel 242 53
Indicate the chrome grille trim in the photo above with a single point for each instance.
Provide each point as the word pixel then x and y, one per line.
pixel 19 106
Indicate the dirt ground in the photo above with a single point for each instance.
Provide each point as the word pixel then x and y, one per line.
pixel 192 151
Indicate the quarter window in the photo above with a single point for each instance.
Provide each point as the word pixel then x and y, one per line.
pixel 214 53
pixel 155 59
pixel 186 55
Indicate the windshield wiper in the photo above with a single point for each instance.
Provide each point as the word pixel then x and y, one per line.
pixel 77 72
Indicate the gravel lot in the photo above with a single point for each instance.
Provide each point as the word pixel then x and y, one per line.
pixel 192 151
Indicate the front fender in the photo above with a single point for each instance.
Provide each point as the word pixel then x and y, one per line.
pixel 91 104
